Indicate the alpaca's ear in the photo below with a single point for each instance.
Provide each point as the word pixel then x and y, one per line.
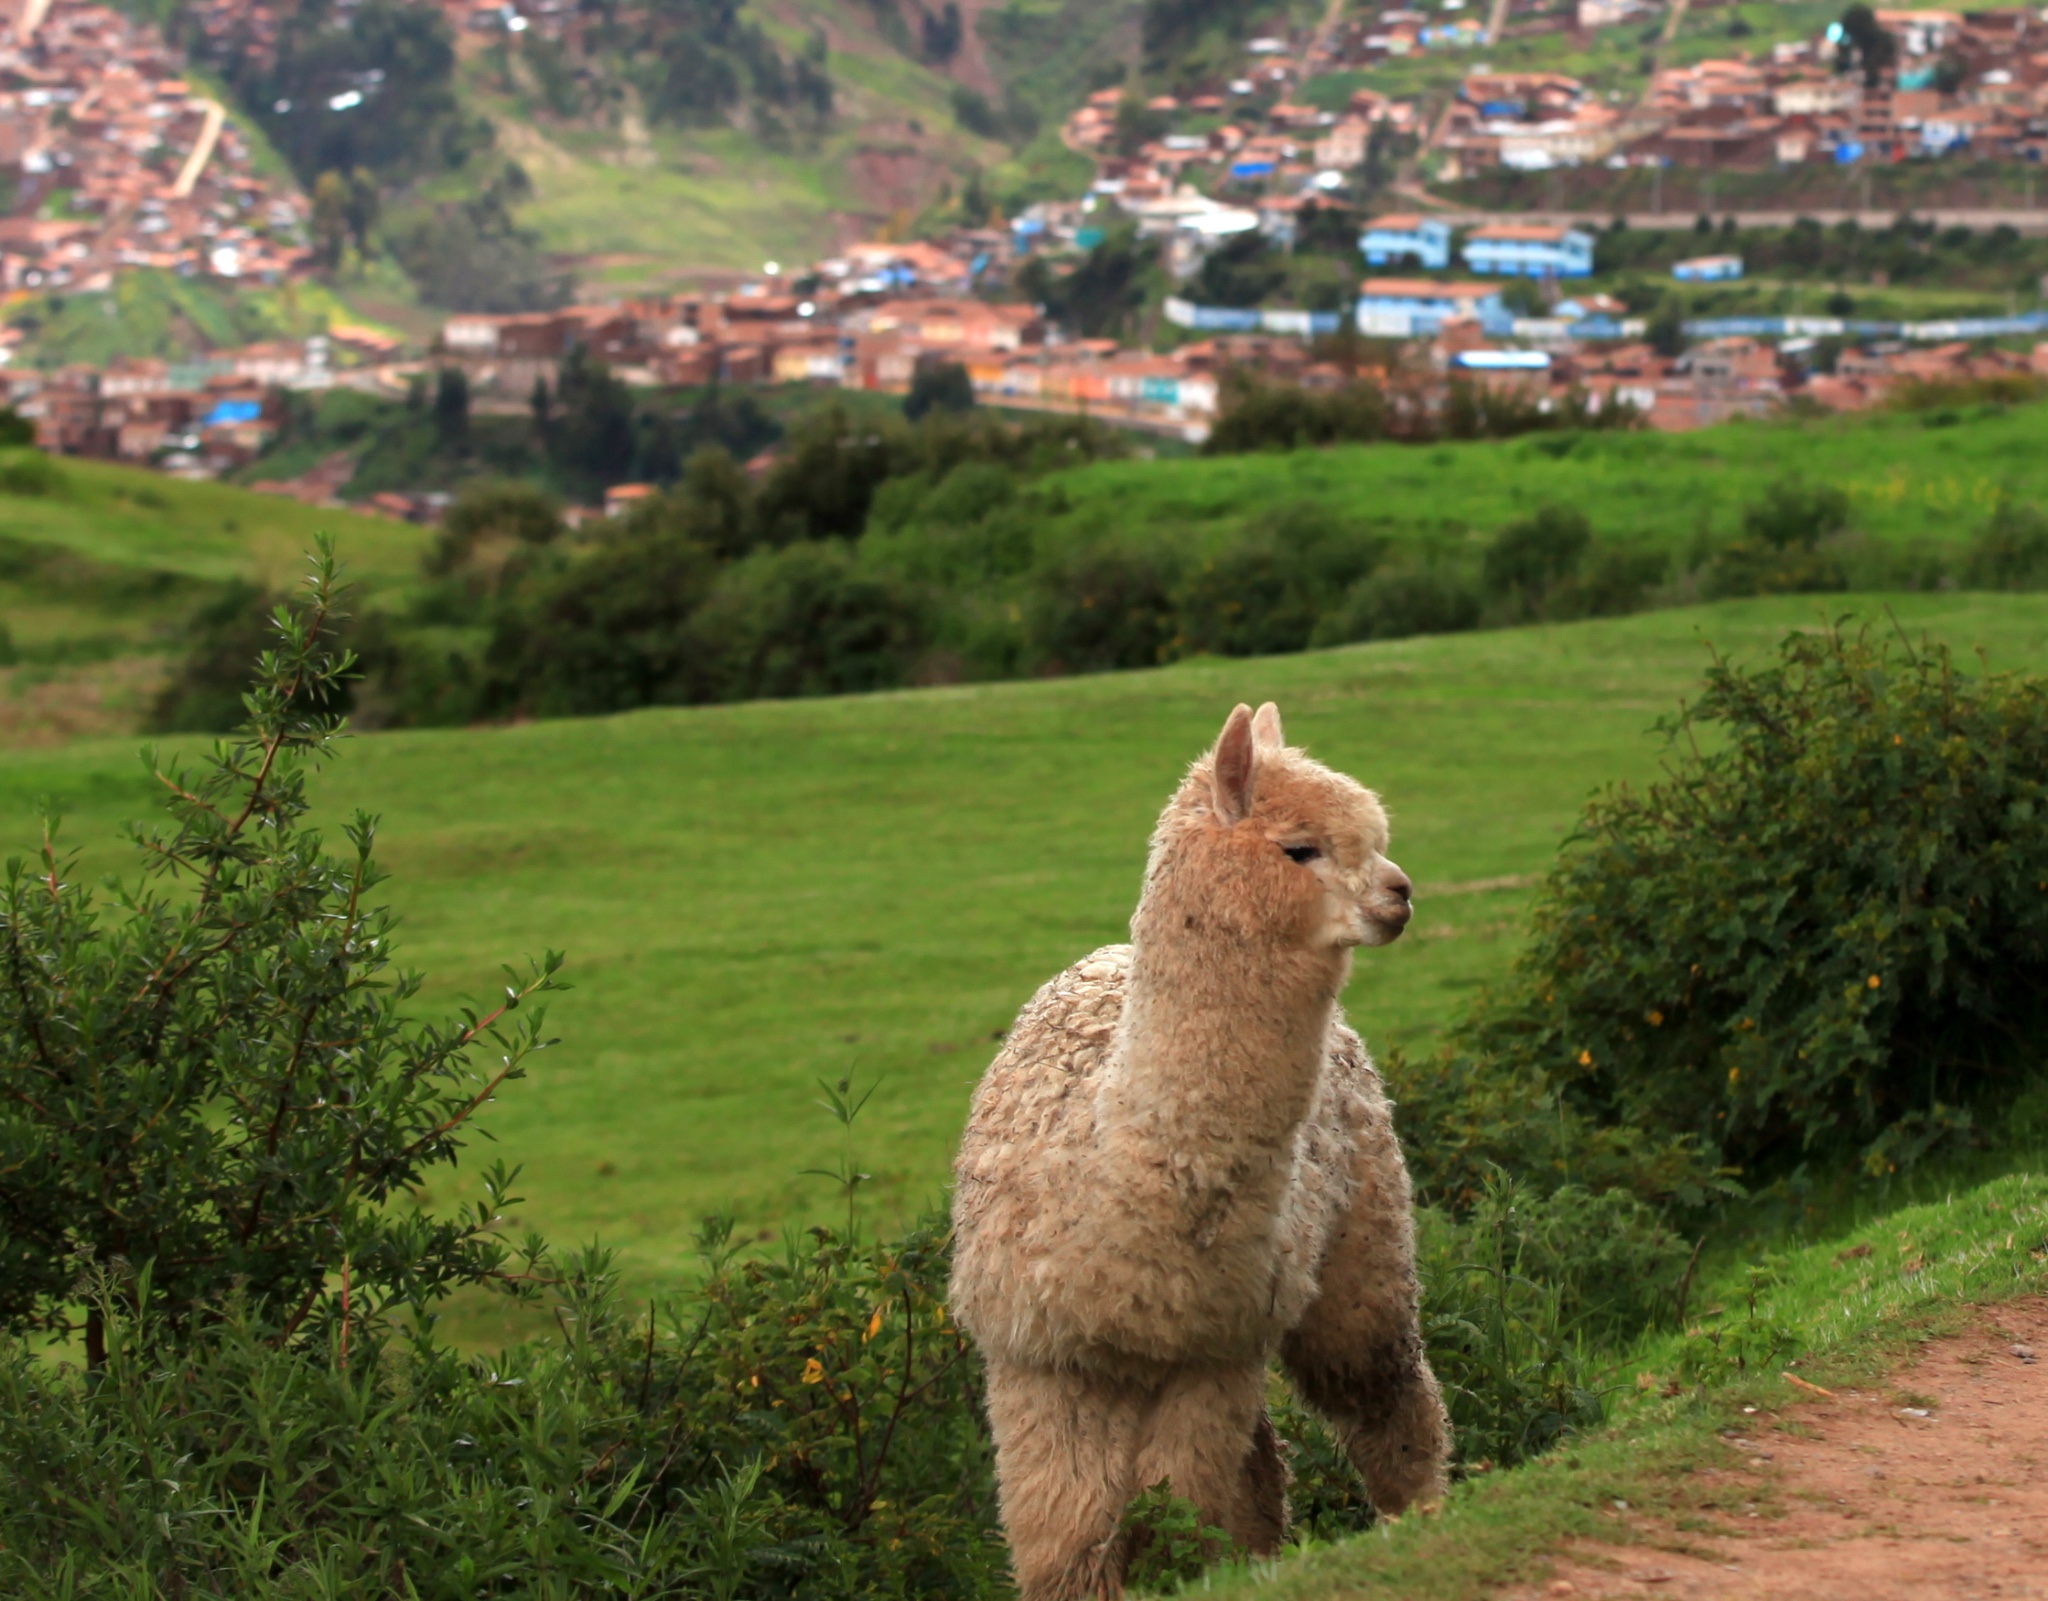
pixel 1266 732
pixel 1232 773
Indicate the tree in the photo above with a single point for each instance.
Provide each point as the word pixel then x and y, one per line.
pixel 592 443
pixel 330 219
pixel 471 255
pixel 1864 41
pixel 1241 271
pixel 941 33
pixel 1099 295
pixel 362 207
pixel 213 1086
pixel 944 386
pixel 451 408
pixel 1666 330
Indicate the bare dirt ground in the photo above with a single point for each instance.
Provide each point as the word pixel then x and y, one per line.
pixel 1934 1486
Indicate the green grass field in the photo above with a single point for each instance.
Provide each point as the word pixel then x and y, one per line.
pixel 1909 478
pixel 755 897
pixel 140 521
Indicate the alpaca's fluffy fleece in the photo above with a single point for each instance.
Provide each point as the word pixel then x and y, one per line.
pixel 1181 1165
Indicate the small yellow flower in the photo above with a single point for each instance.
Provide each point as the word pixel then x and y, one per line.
pixel 1876 982
pixel 1585 1058
pixel 814 1372
pixel 1656 1019
pixel 1734 1075
pixel 874 1325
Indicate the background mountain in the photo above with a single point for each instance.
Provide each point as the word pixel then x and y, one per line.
pixel 493 152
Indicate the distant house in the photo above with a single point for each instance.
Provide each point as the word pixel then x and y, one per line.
pixel 623 498
pixel 1407 308
pixel 1707 269
pixel 1529 250
pixel 1391 241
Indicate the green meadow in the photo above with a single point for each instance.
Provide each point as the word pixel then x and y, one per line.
pixel 123 517
pixel 1912 478
pixel 760 896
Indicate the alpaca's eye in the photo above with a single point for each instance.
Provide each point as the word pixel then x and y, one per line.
pixel 1301 853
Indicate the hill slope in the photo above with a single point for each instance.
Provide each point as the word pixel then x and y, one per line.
pixel 101 567
pixel 760 896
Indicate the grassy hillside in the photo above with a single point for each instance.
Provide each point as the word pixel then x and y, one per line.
pixel 124 517
pixel 102 566
pixel 759 896
pixel 1931 476
pixel 636 202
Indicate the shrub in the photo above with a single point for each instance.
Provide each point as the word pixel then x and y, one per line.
pixel 1825 925
pixel 1257 415
pixel 214 1084
pixel 1102 607
pixel 805 620
pixel 31 473
pixel 941 387
pixel 1779 551
pixel 2012 551
pixel 801 1426
pixel 1247 601
pixel 1528 559
pixel 489 537
pixel 606 632
pixel 228 631
pixel 1401 601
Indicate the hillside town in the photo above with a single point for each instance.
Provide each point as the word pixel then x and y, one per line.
pixel 114 160
pixel 117 162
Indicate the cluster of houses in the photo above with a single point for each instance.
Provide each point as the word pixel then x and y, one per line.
pixel 1960 83
pixel 115 160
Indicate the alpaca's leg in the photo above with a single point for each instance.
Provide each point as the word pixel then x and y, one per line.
pixel 1065 1446
pixel 1357 1354
pixel 1208 1434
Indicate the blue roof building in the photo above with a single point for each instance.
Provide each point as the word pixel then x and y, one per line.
pixel 1408 308
pixel 1529 250
pixel 1392 241
pixel 1707 269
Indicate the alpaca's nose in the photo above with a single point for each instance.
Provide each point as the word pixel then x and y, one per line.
pixel 1398 884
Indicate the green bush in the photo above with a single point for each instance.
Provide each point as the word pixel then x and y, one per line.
pixel 30 472
pixel 1257 415
pixel 1400 601
pixel 1102 607
pixel 213 1082
pixel 1528 559
pixel 229 630
pixel 606 631
pixel 491 536
pixel 805 620
pixel 1825 926
pixel 1780 551
pixel 2012 551
pixel 800 1426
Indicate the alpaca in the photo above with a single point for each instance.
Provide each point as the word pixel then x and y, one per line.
pixel 1182 1163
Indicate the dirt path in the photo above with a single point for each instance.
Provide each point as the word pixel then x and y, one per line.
pixel 1936 1486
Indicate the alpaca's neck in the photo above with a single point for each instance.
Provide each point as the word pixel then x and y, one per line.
pixel 1222 1040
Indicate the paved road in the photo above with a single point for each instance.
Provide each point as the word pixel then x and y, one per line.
pixel 2035 221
